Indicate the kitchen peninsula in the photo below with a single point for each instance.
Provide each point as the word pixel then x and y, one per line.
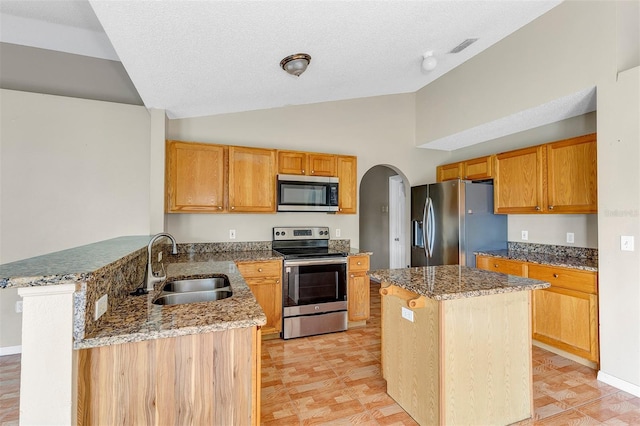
pixel 456 344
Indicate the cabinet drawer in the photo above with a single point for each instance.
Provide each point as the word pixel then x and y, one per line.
pixel 358 263
pixel 271 268
pixel 505 266
pixel 570 279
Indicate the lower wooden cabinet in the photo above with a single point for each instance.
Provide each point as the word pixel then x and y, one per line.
pixel 565 315
pixel 210 378
pixel 265 281
pixel 358 296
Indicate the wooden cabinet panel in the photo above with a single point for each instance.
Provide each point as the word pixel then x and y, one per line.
pixel 497 264
pixel 449 172
pixel 252 179
pixel 570 279
pixel 572 175
pixel 566 319
pixel 210 378
pixel 358 297
pixel 195 177
pixel 292 163
pixel 348 184
pixel 479 168
pixel 265 281
pixel 518 185
pixel 322 164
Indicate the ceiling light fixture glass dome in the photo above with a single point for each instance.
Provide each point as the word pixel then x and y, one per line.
pixel 296 64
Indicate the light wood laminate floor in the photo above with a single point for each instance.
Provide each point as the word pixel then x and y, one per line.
pixel 335 379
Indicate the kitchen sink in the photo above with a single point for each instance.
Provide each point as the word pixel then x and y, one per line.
pixel 194 290
pixel 192 297
pixel 197 284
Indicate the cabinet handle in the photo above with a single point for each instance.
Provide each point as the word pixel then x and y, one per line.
pixel 313 171
pixel 550 207
pixel 352 275
pixel 495 265
pixel 232 207
pixel 555 275
pixel 259 269
pixel 277 281
pixel 219 207
pixel 537 207
pixel 359 263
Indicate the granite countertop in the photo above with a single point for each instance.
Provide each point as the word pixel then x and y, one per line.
pixel 583 263
pixel 137 318
pixel 454 282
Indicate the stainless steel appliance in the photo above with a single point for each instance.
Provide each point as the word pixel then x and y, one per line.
pixel 314 282
pixel 307 193
pixel 450 220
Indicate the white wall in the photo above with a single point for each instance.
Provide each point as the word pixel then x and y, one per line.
pixel 574 46
pixel 379 130
pixel 72 172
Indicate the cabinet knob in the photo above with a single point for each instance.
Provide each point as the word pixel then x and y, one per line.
pixel 302 171
pixel 537 207
pixel 219 207
pixel 232 207
pixel 359 263
pixel 313 171
pixel 555 275
pixel 277 281
pixel 495 265
pixel 352 275
pixel 550 207
pixel 340 209
pixel 259 269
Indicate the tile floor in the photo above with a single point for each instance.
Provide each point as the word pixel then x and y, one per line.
pixel 335 380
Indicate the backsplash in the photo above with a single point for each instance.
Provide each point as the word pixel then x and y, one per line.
pixel 548 249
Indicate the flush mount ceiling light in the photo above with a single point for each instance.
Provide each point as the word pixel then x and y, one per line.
pixel 429 61
pixel 296 64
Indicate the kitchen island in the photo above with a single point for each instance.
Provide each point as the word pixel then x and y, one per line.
pixel 456 344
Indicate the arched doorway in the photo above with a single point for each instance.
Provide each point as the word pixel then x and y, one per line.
pixel 384 216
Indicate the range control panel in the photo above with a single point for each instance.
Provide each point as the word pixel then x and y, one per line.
pixel 300 233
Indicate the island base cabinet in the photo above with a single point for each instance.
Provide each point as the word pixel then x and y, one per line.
pixel 211 378
pixel 461 361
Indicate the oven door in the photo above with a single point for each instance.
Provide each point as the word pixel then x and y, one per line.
pixel 314 286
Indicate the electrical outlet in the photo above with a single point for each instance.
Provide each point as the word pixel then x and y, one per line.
pixel 232 234
pixel 525 235
pixel 570 238
pixel 159 256
pixel 407 314
pixel 18 306
pixel 101 307
pixel 337 233
pixel 626 243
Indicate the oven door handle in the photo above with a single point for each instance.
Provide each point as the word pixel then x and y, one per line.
pixel 321 261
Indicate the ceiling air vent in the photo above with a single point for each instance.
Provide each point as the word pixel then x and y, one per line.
pixel 459 48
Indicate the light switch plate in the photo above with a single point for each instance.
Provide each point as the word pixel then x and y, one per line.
pixel 570 237
pixel 232 234
pixel 101 306
pixel 407 314
pixel 338 233
pixel 626 243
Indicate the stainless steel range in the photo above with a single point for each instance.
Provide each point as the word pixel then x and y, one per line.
pixel 314 282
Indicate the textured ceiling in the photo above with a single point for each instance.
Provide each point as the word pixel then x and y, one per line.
pixel 196 58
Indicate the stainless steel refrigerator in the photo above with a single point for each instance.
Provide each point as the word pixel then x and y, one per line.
pixel 450 220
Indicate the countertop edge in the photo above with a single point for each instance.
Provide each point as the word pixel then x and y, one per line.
pixel 521 257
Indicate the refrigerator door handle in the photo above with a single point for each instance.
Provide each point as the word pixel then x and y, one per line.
pixel 432 227
pixel 424 227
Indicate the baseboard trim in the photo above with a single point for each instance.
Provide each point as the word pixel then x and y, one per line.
pixel 10 350
pixel 618 383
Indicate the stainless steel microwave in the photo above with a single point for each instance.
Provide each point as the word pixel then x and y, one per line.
pixel 307 193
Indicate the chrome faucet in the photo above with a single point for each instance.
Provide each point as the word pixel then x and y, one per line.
pixel 149 277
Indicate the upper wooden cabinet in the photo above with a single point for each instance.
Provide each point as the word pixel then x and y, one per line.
pixel 572 175
pixel 559 177
pixel 306 163
pixel 475 169
pixel 252 179
pixel 518 186
pixel 348 184
pixel 195 177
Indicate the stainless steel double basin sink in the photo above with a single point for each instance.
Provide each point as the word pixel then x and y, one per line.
pixel 194 290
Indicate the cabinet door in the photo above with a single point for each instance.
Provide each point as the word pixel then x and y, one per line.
pixel 252 180
pixel 358 288
pixel 572 175
pixel 479 168
pixel 268 293
pixel 322 164
pixel 195 177
pixel 348 184
pixel 566 319
pixel 292 162
pixel 449 172
pixel 518 185
pixel 497 264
